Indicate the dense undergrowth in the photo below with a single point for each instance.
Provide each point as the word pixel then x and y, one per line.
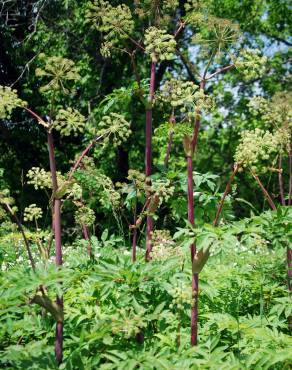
pixel 111 304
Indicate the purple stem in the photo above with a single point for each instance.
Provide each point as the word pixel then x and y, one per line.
pixel 290 178
pixel 87 238
pixel 148 155
pixel 58 242
pixel 280 178
pixel 195 278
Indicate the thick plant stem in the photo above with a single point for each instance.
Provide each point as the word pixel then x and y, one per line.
pixel 290 178
pixel 84 154
pixel 289 281
pixel 280 179
pixel 58 242
pixel 20 228
pixel 191 219
pixel 87 238
pixel 226 192
pixel 135 233
pixel 195 277
pixel 134 245
pixel 148 155
pixel 264 190
pixel 170 140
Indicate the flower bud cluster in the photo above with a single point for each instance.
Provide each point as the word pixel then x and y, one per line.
pixel 162 9
pixel 161 189
pixel 256 145
pixel 116 22
pixel 114 126
pixel 42 179
pixel 159 45
pixel 5 197
pixel 75 192
pixel 181 295
pixel 84 216
pixel 58 71
pixel 9 100
pixel 139 179
pixel 69 121
pixel 250 63
pixel 215 33
pixel 110 197
pixel 186 96
pixel 39 178
pixel 128 323
pixel 163 247
pixel 32 213
pixel 277 112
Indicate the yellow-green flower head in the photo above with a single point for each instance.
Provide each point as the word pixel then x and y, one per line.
pixel 84 216
pixel 159 45
pixel 160 10
pixel 162 189
pixel 114 126
pixel 163 247
pixel 74 192
pixel 58 71
pixel 250 63
pixel 110 197
pixel 69 121
pixel 256 145
pixel 185 96
pixel 276 112
pixel 214 33
pixel 9 100
pixel 5 197
pixel 181 295
pixel 32 213
pixel 39 178
pixel 115 22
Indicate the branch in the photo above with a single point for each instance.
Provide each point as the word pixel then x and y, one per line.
pixel 224 69
pixel 83 154
pixel 194 75
pixel 227 189
pixel 27 246
pixel 264 190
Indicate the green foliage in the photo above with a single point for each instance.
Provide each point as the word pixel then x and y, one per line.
pixel 8 101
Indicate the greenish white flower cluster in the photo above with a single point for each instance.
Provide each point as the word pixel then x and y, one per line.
pixel 181 295
pixel 74 191
pixel 84 216
pixel 162 9
pixel 276 112
pixel 115 22
pixel 215 34
pixel 39 178
pixel 9 100
pixel 163 247
pixel 69 121
pixel 250 63
pixel 32 213
pixel 159 45
pixel 58 71
pixel 42 179
pixel 115 127
pixel 185 96
pixel 5 197
pixel 256 145
pixel 161 189
pixel 128 322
